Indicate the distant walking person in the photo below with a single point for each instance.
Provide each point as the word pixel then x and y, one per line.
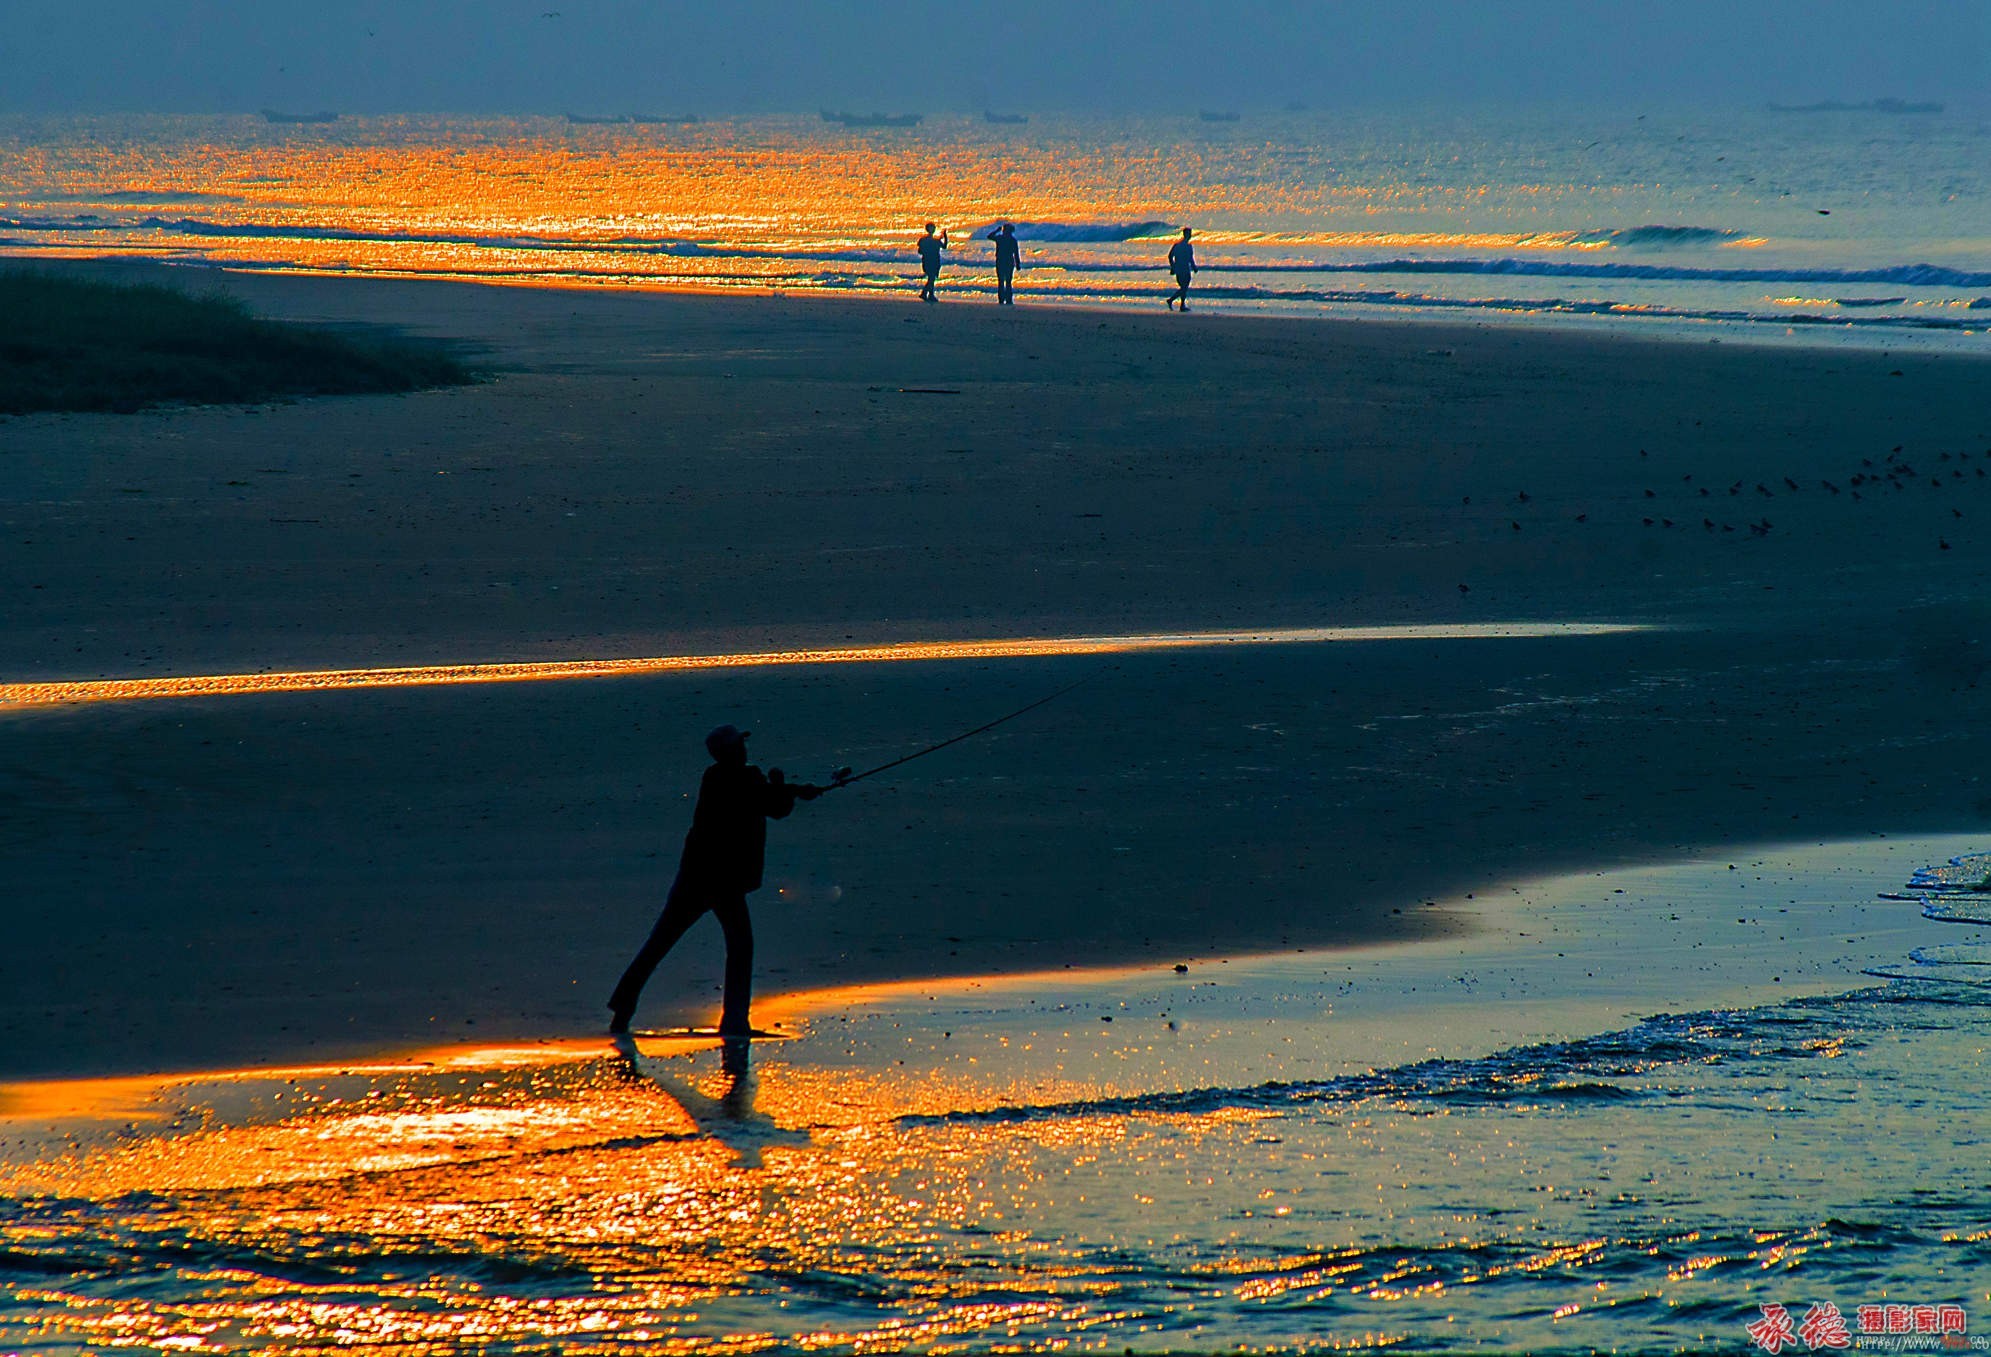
pixel 1181 263
pixel 724 855
pixel 1004 237
pixel 930 247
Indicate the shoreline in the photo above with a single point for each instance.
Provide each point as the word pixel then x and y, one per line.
pixel 268 989
pixel 657 476
pixel 1820 334
pixel 1519 967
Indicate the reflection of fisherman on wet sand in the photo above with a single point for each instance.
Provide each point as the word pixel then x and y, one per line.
pixel 724 856
pixel 1181 263
pixel 1004 237
pixel 726 1114
pixel 930 247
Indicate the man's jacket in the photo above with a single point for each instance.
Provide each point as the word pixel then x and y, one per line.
pixel 727 845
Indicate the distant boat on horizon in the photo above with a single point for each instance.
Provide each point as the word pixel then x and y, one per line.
pixel 1005 119
pixel 1870 106
pixel 275 116
pixel 1213 116
pixel 873 119
pixel 633 119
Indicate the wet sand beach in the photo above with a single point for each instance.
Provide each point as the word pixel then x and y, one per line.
pixel 269 877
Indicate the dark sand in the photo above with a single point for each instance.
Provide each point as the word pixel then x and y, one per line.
pixel 189 883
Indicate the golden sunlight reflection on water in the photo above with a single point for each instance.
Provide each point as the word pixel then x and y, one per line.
pixel 974 1164
pixel 621 1198
pixel 361 194
pixel 1300 213
pixel 636 1186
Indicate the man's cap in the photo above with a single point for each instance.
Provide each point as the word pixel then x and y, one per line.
pixel 724 737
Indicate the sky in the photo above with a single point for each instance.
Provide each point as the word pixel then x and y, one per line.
pixel 745 56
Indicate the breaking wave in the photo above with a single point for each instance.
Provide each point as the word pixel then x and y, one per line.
pixel 1571 306
pixel 1899 275
pixel 1598 1069
pixel 1954 892
pixel 1658 237
pixel 1957 892
pixel 1084 232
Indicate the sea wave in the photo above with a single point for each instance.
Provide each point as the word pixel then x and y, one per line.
pixel 90 222
pixel 1036 232
pixel 1901 275
pixel 1084 232
pixel 1955 892
pixel 1572 306
pixel 1598 1069
pixel 1657 237
pixel 1923 275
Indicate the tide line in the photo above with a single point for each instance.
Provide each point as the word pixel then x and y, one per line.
pixel 15 695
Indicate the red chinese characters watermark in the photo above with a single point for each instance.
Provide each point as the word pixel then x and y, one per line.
pixel 1824 1327
pixel 1774 1331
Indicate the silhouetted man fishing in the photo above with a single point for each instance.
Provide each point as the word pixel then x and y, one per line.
pixel 1004 237
pixel 1181 263
pixel 725 853
pixel 724 856
pixel 930 247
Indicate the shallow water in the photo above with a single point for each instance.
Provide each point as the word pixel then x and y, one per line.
pixel 1857 224
pixel 1634 1109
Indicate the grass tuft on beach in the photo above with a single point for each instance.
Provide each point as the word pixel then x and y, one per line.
pixel 77 344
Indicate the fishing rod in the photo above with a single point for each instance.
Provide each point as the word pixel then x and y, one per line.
pixel 843 777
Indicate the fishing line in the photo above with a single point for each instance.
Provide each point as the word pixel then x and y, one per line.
pixel 844 777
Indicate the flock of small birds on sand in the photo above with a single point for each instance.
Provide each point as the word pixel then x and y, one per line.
pixel 1892 472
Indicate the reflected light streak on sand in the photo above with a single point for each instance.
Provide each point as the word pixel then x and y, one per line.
pixel 221 685
pixel 140 1097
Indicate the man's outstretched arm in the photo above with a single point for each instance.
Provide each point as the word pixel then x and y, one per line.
pixel 781 794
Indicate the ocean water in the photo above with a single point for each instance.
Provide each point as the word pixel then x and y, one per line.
pixel 1858 224
pixel 1637 1111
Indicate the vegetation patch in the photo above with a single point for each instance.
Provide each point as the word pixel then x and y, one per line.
pixel 82 344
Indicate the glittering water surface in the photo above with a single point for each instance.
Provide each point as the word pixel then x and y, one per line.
pixel 1441 1146
pixel 1851 223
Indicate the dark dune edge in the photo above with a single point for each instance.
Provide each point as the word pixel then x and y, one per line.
pixel 80 343
pixel 297 876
